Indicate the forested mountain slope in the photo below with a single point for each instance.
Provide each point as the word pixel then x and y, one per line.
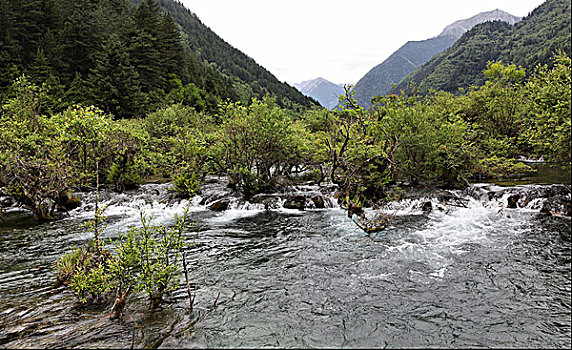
pixel 413 54
pixel 528 43
pixel 382 77
pixel 127 60
pixel 250 79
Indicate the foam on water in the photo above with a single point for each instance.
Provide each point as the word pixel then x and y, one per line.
pixel 232 215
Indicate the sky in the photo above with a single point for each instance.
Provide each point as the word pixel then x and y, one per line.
pixel 339 40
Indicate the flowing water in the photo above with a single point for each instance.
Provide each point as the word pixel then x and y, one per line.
pixel 472 273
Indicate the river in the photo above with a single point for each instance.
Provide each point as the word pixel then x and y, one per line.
pixel 469 274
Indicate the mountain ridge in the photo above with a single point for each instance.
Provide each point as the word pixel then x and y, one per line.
pixel 381 78
pixel 460 27
pixel 530 42
pixel 253 80
pixel 322 90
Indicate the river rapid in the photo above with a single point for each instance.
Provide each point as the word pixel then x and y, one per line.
pixel 471 272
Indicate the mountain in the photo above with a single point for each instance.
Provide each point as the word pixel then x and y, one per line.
pixel 458 28
pixel 413 54
pixel 530 42
pixel 250 79
pixel 128 57
pixel 321 90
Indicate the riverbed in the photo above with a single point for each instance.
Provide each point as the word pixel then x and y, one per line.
pixel 474 274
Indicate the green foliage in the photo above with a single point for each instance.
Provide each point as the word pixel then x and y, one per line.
pixel 179 138
pixel 532 41
pixel 84 132
pixel 257 146
pixel 361 147
pixel 153 253
pixel 494 167
pixel 436 143
pixel 126 154
pixel 145 259
pixel 90 279
pixel 35 166
pixel 185 184
pixel 123 176
pixel 67 264
pixel 547 125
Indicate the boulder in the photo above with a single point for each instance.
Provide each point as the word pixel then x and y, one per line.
pixel 69 202
pixel 427 207
pixel 546 208
pixel 220 205
pixel 319 202
pixel 295 202
pixel 513 200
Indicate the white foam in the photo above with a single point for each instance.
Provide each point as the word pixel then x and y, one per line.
pixel 234 214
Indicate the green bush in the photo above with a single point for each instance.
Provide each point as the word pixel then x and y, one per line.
pixel 145 259
pixel 185 184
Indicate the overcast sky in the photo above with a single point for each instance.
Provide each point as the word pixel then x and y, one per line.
pixel 339 40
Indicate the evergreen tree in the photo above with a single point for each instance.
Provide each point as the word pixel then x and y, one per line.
pixel 143 47
pixel 81 37
pixel 171 48
pixel 114 82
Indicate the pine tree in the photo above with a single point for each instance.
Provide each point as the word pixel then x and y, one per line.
pixel 81 37
pixel 171 48
pixel 143 47
pixel 114 82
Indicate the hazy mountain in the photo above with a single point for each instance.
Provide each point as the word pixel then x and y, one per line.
pixel 530 42
pixel 413 54
pixel 321 90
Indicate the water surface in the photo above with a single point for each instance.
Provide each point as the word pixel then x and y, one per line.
pixel 476 276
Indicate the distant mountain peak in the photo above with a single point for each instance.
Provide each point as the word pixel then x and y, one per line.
pixel 380 79
pixel 322 90
pixel 458 28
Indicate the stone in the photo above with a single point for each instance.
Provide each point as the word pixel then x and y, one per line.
pixel 319 202
pixel 546 208
pixel 513 200
pixel 295 202
pixel 220 205
pixel 427 207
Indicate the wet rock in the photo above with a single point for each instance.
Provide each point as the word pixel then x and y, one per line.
pixel 354 209
pixel 269 201
pixel 427 207
pixel 319 202
pixel 444 196
pixel 6 202
pixel 69 202
pixel 220 205
pixel 546 208
pixel 512 201
pixel 295 202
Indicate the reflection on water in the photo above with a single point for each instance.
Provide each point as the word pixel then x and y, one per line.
pixel 480 276
pixel 545 174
